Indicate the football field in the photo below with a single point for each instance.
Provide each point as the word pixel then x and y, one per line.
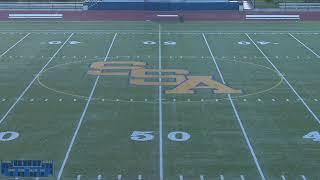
pixel 149 101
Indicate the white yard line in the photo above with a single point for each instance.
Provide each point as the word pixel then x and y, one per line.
pixel 236 114
pixel 242 177
pixel 33 80
pixel 304 45
pixel 160 110
pixel 82 115
pixel 119 177
pixel 288 83
pixel 221 177
pixel 14 45
pixel 180 177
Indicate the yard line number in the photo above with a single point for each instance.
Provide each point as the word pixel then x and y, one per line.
pixel 177 136
pixel 314 135
pixel 166 43
pixel 8 136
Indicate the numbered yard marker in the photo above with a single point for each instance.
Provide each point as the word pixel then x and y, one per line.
pixel 179 136
pixel 263 42
pixel 149 42
pixel 169 43
pixel 74 42
pixel 244 43
pixel 142 135
pixel 314 135
pixel 8 136
pixel 54 42
pixel 148 136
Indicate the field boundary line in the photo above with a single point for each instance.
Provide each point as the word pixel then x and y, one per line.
pixel 14 45
pixel 236 113
pixel 160 109
pixel 33 80
pixel 83 114
pixel 285 79
pixel 139 31
pixel 304 45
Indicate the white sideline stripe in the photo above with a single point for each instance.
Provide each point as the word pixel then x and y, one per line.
pixel 167 15
pixel 160 111
pixel 14 45
pixel 119 177
pixel 283 178
pixel 83 114
pixel 272 16
pixel 34 79
pixel 304 45
pixel 180 177
pixel 280 74
pixel 201 177
pixel 221 177
pixel 33 15
pixel 303 177
pixel 236 113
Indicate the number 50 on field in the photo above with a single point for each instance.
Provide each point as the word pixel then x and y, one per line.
pixel 148 136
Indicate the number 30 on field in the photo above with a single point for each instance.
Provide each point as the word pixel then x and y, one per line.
pixel 148 136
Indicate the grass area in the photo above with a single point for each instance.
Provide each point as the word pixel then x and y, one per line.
pixel 127 125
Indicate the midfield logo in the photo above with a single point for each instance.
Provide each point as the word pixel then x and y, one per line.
pixel 139 75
